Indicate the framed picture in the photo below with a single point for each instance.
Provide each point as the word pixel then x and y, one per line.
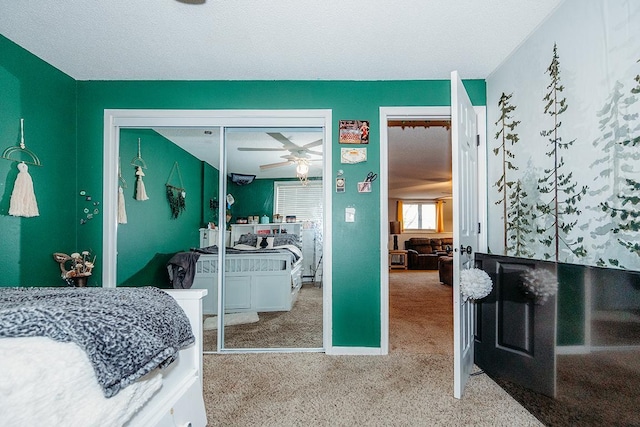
pixel 354 131
pixel 353 155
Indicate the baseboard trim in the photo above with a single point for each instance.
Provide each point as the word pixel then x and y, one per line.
pixel 355 351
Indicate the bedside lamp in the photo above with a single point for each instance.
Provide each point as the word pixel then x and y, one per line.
pixel 394 229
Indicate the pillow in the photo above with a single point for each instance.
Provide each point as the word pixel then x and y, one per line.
pixel 287 239
pixel 264 242
pixel 424 249
pixel 278 239
pixel 247 239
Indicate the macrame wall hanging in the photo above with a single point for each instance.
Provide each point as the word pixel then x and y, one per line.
pixel 138 162
pixel 175 194
pixel 23 199
pixel 122 184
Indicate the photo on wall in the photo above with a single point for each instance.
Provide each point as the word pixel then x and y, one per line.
pixel 354 131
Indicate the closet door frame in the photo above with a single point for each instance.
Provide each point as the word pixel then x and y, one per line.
pixel 116 119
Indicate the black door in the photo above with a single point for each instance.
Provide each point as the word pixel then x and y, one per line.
pixel 515 332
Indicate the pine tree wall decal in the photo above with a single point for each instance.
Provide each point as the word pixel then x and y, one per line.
pixel 519 223
pixel 504 135
pixel 558 213
pixel 625 208
pixel 615 124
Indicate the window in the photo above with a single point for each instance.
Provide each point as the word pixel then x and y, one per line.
pixel 305 202
pixel 419 216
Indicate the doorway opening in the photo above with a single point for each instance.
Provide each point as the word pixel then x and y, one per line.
pixel 421 223
pixel 389 118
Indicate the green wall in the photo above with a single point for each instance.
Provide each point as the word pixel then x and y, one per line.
pixel 46 99
pixel 210 178
pixel 571 302
pixel 151 235
pixel 253 199
pixel 356 278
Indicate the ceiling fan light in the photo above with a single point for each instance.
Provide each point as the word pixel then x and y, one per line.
pixel 302 168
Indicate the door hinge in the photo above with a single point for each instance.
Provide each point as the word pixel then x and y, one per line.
pixel 477 140
pixel 478 228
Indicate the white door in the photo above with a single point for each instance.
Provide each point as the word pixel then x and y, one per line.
pixel 465 225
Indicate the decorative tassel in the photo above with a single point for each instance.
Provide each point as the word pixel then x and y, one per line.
pixel 122 213
pixel 23 199
pixel 141 192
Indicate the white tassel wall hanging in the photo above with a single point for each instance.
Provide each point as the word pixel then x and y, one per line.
pixel 138 162
pixel 122 212
pixel 141 191
pixel 23 199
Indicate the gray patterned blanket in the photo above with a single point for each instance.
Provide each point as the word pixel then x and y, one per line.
pixel 126 332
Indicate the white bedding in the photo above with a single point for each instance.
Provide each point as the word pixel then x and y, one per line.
pixel 49 383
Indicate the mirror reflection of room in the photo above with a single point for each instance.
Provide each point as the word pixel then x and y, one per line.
pixel 271 195
pixel 273 275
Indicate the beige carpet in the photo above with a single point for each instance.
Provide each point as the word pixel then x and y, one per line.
pixel 413 385
pixel 420 313
pixel 299 328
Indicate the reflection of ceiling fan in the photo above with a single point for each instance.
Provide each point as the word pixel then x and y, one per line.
pixel 298 154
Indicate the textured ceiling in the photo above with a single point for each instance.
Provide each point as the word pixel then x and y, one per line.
pixel 271 40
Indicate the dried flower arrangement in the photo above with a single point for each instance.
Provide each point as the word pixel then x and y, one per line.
pixel 80 266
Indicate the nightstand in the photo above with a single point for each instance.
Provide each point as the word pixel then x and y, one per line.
pixel 398 259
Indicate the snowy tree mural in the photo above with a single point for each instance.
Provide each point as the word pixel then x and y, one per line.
pixel 621 141
pixel 506 136
pixel 520 223
pixel 589 82
pixel 560 213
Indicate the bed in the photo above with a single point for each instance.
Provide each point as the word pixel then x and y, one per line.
pixel 63 358
pixel 262 273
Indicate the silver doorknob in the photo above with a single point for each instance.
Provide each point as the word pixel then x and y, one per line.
pixel 467 250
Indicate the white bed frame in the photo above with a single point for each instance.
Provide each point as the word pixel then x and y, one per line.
pixel 179 401
pixel 253 282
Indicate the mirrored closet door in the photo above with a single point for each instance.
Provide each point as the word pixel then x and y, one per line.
pixel 186 191
pixel 273 283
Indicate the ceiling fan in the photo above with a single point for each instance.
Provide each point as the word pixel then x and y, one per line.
pixel 298 154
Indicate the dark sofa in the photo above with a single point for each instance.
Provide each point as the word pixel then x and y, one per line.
pixel 423 252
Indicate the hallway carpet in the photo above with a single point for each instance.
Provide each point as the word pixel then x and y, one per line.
pixel 420 313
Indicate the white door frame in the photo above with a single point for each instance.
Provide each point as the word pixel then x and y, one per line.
pixel 419 113
pixel 115 119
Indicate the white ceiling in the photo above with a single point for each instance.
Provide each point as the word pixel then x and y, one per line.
pixel 282 40
pixel 419 163
pixel 271 40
